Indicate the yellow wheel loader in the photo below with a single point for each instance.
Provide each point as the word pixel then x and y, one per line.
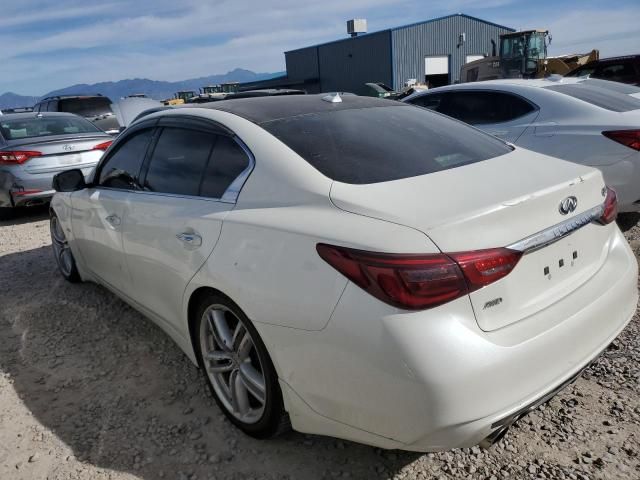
pixel 523 55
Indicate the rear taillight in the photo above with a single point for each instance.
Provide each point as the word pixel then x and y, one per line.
pixel 628 138
pixel 103 146
pixel 418 282
pixel 13 158
pixel 610 211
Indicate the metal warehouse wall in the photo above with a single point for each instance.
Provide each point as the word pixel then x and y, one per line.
pixel 348 64
pixel 411 44
pixel 302 64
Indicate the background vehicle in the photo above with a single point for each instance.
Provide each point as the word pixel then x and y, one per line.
pixel 301 263
pixel 95 108
pixel 615 69
pixel 34 147
pixel 591 122
pixel 523 55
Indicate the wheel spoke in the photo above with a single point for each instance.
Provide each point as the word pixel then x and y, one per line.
pixel 219 329
pixel 225 365
pixel 238 335
pixel 244 347
pixel 253 381
pixel 239 394
pixel 57 233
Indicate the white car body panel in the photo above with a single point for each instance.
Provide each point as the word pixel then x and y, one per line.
pixel 569 129
pixel 348 364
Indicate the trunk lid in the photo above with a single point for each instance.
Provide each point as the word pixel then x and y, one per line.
pixel 61 152
pixel 496 203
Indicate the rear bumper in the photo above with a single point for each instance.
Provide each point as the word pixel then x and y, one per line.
pixel 433 380
pixel 19 188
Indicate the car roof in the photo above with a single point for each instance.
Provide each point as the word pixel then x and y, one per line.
pixel 269 108
pixel 26 115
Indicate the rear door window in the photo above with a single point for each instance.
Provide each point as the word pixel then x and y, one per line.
pixel 122 168
pixel 432 102
pixel 483 107
pixel 228 161
pixel 379 144
pixel 179 160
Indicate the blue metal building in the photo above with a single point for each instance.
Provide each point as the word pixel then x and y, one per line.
pixel 431 51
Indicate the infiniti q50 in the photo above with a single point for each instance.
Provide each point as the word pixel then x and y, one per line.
pixel 352 266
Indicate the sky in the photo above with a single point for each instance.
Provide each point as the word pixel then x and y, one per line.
pixel 53 44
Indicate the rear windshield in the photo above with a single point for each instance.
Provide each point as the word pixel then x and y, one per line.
pixel 15 129
pixel 380 144
pixel 87 107
pixel 599 96
pixel 613 86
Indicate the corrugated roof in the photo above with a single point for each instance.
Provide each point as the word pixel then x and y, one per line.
pixel 401 27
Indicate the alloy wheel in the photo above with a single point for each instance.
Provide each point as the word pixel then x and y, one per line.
pixel 232 364
pixel 61 249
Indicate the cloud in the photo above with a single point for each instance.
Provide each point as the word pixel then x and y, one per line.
pixel 79 42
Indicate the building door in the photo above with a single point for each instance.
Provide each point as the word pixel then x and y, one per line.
pixel 473 58
pixel 436 71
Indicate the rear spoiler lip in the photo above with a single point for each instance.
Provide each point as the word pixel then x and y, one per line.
pixel 557 232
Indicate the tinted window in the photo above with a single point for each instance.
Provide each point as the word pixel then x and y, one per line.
pixel 178 161
pixel 479 108
pixel 616 72
pixel 600 97
pixel 86 107
pixel 227 162
pixel 44 126
pixel 432 102
pixel 613 86
pixel 122 168
pixel 379 144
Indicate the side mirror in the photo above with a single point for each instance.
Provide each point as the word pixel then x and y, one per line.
pixel 69 181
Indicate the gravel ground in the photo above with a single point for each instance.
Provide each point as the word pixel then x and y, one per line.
pixel 91 389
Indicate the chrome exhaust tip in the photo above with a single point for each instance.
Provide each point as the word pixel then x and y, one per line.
pixel 494 437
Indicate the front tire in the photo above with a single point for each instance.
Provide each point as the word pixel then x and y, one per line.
pixel 62 252
pixel 238 369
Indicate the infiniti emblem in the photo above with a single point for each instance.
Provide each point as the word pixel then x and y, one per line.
pixel 568 205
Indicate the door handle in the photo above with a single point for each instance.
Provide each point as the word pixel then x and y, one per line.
pixel 190 239
pixel 114 220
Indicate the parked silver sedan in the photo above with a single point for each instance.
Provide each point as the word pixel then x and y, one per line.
pixel 36 146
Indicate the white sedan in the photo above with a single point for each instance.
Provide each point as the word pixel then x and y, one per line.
pixel 353 266
pixel 591 122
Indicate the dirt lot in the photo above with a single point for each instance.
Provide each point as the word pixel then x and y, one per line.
pixel 91 389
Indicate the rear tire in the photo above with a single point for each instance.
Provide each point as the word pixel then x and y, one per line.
pixel 238 369
pixel 62 252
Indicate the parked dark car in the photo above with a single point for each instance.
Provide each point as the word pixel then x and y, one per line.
pixel 95 108
pixel 616 69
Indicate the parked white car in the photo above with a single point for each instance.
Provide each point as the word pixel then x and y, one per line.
pixel 591 122
pixel 357 267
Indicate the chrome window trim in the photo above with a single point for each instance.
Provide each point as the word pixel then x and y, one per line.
pixel 557 232
pixel 229 196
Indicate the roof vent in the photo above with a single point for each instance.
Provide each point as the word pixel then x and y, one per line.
pixel 356 26
pixel 332 98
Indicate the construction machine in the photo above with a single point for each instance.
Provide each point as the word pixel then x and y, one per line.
pixel 523 54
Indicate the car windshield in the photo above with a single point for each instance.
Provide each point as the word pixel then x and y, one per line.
pixel 597 95
pixel 86 106
pixel 14 129
pixel 379 144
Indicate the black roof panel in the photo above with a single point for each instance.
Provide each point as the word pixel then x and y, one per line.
pixel 267 109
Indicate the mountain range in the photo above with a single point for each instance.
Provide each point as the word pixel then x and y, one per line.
pixel 153 88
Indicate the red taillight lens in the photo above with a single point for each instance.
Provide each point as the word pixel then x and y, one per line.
pixel 629 138
pixel 418 282
pixel 13 158
pixel 483 267
pixel 103 146
pixel 610 211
